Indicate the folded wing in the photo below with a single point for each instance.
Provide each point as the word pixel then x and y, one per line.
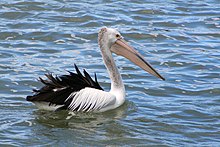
pixel 60 90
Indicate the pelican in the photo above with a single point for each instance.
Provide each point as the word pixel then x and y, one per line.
pixel 78 92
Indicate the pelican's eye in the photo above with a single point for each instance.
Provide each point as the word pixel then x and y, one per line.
pixel 117 36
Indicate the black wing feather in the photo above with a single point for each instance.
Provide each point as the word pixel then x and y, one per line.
pixel 57 89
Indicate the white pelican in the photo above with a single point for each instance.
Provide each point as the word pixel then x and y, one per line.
pixel 77 92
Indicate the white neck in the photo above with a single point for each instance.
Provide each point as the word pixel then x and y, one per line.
pixel 117 86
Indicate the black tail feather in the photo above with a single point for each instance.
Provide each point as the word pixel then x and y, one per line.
pixel 57 89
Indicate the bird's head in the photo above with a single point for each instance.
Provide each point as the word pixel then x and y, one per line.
pixel 111 39
pixel 108 36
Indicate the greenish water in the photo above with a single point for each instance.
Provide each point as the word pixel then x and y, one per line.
pixel 179 38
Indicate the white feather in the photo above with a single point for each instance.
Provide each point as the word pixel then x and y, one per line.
pixel 46 106
pixel 91 99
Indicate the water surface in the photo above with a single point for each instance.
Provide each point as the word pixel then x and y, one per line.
pixel 179 38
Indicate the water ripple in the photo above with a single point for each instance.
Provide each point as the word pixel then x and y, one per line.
pixel 179 38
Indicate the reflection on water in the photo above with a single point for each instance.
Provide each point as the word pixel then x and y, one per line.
pixel 179 38
pixel 82 125
pixel 70 120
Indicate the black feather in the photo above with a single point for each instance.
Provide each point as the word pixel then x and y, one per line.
pixel 57 89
